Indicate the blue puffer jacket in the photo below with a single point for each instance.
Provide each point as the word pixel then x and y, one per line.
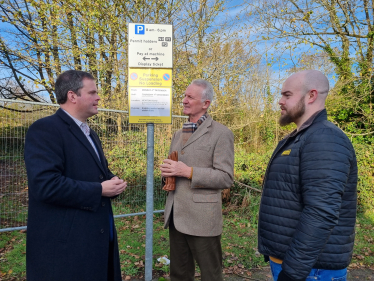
pixel 308 206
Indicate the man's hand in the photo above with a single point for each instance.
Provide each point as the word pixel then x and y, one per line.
pixel 171 168
pixel 113 187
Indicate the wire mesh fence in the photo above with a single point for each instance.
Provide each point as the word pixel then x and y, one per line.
pixel 124 144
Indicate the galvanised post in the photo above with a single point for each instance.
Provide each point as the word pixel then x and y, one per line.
pixel 149 204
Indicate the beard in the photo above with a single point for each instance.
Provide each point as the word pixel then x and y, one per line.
pixel 293 114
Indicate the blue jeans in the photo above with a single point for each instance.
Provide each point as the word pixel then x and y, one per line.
pixel 315 274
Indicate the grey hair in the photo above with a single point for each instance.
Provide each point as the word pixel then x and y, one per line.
pixel 208 91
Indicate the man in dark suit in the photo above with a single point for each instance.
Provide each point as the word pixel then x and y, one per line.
pixel 70 231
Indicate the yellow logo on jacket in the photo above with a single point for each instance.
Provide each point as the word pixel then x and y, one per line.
pixel 286 152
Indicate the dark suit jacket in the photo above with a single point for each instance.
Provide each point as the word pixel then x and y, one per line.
pixel 68 219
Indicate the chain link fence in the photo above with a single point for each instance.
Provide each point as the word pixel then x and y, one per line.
pixel 124 144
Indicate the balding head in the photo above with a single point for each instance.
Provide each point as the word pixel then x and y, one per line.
pixel 303 94
pixel 311 80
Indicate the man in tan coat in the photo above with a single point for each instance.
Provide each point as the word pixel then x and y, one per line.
pixel 193 211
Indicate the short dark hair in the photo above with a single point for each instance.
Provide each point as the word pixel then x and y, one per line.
pixel 70 80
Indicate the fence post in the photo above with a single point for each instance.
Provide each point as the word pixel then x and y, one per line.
pixel 149 206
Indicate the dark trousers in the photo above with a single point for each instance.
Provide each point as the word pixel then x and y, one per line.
pixel 184 249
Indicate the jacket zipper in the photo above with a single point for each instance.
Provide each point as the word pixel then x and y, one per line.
pixel 263 185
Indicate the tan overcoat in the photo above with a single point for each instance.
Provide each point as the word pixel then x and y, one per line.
pixel 197 203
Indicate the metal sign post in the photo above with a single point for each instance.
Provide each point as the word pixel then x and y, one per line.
pixel 149 208
pixel 150 99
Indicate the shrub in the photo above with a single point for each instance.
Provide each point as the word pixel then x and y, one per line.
pixel 365 162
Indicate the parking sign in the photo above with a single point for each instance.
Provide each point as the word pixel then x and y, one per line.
pixel 150 45
pixel 139 29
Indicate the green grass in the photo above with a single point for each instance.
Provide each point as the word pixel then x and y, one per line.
pixel 239 244
pixel 13 261
pixel 364 243
pixel 131 241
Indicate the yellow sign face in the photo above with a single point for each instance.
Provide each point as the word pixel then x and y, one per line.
pixel 148 77
pixel 150 95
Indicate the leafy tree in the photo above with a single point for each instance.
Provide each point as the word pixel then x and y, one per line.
pixel 344 31
pixel 41 38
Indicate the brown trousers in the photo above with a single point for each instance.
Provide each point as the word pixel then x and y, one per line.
pixel 184 249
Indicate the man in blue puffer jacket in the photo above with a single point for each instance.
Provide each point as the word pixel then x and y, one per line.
pixel 308 207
